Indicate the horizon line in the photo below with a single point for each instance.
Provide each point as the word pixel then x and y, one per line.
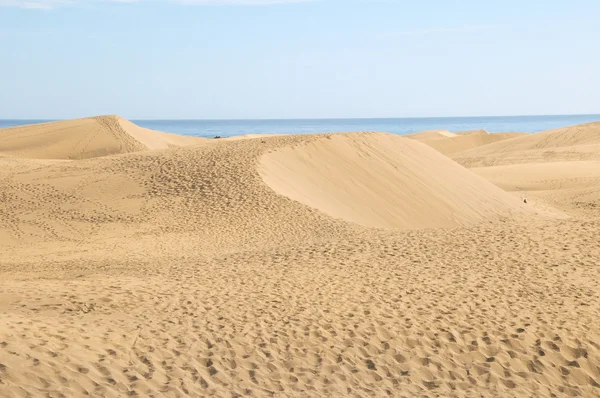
pixel 312 118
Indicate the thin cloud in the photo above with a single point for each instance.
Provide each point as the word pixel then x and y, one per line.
pixel 50 4
pixel 239 2
pixel 466 28
pixel 35 4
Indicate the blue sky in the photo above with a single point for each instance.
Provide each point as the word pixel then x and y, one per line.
pixel 226 59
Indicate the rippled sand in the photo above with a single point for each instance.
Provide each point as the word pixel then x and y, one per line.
pixel 142 264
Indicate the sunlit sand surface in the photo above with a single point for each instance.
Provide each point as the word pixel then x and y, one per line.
pixel 139 263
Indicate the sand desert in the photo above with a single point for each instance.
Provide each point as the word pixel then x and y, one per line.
pixel 139 263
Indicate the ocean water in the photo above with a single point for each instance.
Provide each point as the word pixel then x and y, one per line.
pixel 401 126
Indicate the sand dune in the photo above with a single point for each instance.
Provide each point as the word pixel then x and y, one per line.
pixel 583 134
pixel 559 168
pixel 579 142
pixel 431 135
pixel 241 268
pixel 462 141
pixel 473 132
pixel 381 180
pixel 84 138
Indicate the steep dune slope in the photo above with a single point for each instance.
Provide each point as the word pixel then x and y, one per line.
pixel 84 138
pixel 383 180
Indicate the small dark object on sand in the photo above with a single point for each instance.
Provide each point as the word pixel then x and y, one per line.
pixel 525 201
pixel 217 136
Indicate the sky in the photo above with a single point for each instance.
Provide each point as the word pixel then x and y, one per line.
pixel 253 59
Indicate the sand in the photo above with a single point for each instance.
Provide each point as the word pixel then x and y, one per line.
pixel 581 142
pixel 382 180
pixel 315 265
pixel 84 138
pixel 459 142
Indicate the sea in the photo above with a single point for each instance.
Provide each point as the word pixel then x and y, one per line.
pixel 400 126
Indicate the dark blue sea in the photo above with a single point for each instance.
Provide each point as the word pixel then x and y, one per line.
pixel 227 128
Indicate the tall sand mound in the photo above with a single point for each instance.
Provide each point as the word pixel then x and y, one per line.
pixel 382 180
pixel 84 138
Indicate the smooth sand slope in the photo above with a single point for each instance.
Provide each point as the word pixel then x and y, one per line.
pixel 84 138
pixel 382 180
pixel 225 270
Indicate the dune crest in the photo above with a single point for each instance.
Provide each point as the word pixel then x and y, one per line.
pixel 381 180
pixel 85 138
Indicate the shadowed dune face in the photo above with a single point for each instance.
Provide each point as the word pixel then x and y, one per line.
pixel 381 180
pixel 84 138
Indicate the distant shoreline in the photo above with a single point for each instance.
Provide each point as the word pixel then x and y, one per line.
pixel 400 126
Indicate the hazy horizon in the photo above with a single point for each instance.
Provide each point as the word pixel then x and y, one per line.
pixel 234 127
pixel 318 118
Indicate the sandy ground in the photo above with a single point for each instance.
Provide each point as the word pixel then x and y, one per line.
pixel 326 265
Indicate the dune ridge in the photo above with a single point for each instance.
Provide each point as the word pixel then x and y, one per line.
pixel 84 138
